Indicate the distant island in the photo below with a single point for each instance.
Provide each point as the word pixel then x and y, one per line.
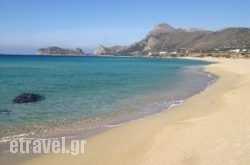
pixel 53 50
pixel 165 40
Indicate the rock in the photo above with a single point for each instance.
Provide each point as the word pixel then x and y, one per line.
pixel 161 28
pixel 100 50
pixel 114 50
pixel 59 51
pixel 4 111
pixel 28 97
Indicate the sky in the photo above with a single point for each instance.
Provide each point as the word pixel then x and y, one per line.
pixel 26 25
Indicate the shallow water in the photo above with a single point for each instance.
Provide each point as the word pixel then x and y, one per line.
pixel 89 93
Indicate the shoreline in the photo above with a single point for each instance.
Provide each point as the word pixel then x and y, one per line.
pixel 206 129
pixel 105 127
pixel 146 108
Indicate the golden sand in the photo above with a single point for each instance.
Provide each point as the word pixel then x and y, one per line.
pixel 210 128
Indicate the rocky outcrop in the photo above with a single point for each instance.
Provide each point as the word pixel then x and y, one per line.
pixel 161 28
pixel 102 50
pixel 165 38
pixel 27 98
pixel 59 51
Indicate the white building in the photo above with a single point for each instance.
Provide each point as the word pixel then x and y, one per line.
pixel 235 50
pixel 162 53
pixel 173 52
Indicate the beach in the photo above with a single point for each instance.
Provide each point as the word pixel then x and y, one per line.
pixel 212 127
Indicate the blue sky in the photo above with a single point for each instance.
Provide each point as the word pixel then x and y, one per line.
pixel 26 25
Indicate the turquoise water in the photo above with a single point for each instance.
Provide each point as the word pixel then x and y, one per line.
pixel 87 93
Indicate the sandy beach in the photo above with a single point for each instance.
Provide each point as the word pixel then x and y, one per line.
pixel 212 127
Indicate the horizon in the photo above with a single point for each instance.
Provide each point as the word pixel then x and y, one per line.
pixel 70 24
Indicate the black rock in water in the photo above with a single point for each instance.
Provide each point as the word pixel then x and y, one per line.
pixel 27 98
pixel 4 111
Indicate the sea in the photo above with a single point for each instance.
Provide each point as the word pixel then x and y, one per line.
pixel 87 94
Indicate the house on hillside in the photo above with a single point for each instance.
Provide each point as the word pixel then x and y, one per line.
pixel 235 50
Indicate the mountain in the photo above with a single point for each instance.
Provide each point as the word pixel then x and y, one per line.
pixel 59 51
pixel 165 38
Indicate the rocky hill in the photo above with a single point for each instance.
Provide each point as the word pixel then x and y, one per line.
pixel 165 38
pixel 59 51
pixel 112 50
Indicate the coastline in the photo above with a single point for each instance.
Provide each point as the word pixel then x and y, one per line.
pixel 150 93
pixel 211 127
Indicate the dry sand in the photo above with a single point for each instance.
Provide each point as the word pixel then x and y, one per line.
pixel 210 128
